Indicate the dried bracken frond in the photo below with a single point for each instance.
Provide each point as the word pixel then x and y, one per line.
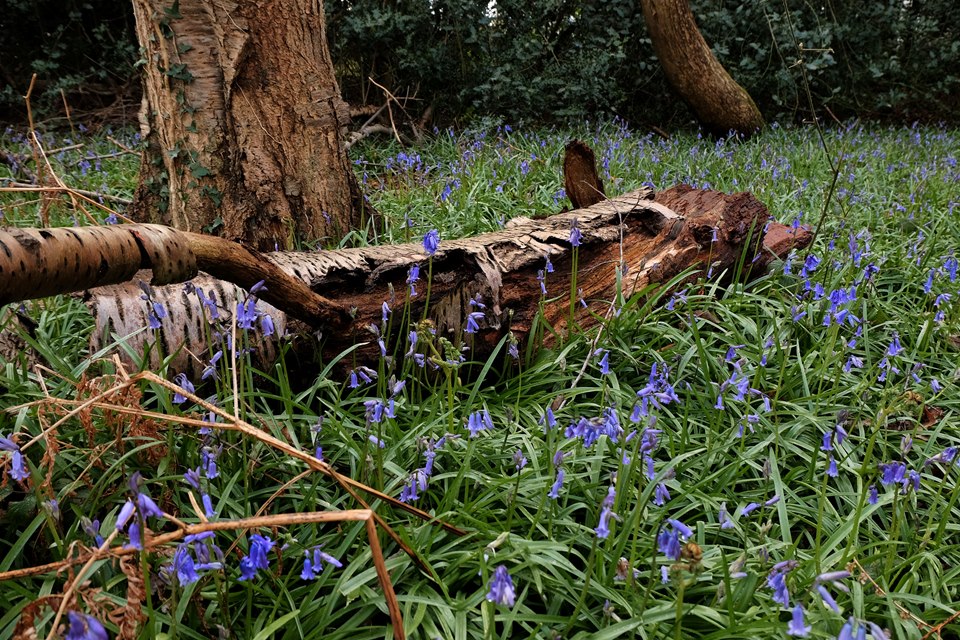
pixel 130 616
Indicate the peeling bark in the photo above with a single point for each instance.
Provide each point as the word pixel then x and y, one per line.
pixel 653 238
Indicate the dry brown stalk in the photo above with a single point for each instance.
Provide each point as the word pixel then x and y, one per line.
pixel 366 516
pixel 233 423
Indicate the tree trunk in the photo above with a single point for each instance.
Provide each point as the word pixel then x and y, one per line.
pixel 693 71
pixel 649 239
pixel 241 116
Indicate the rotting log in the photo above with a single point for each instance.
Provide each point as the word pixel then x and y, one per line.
pixel 580 179
pixel 651 237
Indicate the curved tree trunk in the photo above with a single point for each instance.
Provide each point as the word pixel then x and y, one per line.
pixel 720 103
pixel 242 116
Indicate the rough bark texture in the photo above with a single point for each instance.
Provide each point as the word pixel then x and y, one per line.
pixel 651 238
pixel 693 71
pixel 580 179
pixel 242 116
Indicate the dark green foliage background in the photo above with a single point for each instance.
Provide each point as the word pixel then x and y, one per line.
pixel 549 59
pixel 87 48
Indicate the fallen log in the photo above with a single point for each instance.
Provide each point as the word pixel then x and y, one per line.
pixel 649 237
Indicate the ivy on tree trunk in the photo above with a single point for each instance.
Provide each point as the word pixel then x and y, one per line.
pixel 242 120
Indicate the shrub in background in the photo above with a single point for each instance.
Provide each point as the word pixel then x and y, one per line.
pixel 85 48
pixel 544 59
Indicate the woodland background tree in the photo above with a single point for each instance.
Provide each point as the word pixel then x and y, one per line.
pixel 241 117
pixel 694 72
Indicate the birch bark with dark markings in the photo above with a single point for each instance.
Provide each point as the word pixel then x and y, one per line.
pixel 656 236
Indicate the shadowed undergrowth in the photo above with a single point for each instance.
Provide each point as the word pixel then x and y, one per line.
pixel 751 461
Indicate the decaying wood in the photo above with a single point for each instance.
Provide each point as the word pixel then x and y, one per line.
pixel 580 179
pixel 650 237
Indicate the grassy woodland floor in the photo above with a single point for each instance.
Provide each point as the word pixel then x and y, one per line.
pixel 731 461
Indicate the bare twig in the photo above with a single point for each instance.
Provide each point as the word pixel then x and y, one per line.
pixel 366 516
pixel 88 196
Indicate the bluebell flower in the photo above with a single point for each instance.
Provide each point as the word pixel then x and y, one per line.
pixel 724 518
pixel 606 512
pixel 668 542
pixel 892 472
pixel 126 512
pixel 246 313
pixel 787 264
pixel 210 371
pixel 314 561
pixel 554 492
pixel 548 267
pixel 650 439
pixel 266 325
pixel 431 241
pixel 210 304
pixel 895 348
pixel 18 467
pixel 208 461
pixel 777 580
pixel 256 559
pixel 542 280
pixel 185 384
pixel 832 468
pixel 208 504
pixel 156 314
pixel 661 494
pixel 873 497
pixel 7 444
pixel 604 360
pixel 501 588
pixel 828 598
pixel 683 529
pixel 92 529
pixel 183 566
pixel 147 507
pixel 910 480
pixel 945 457
pixel 548 420
pixel 796 626
pixel 475 423
pixel 519 460
pixel 747 510
pixel 366 374
pixel 413 275
pixel 575 236
pixel 375 441
pixel 84 627
pixel 603 528
pixel 472 318
pixel 374 410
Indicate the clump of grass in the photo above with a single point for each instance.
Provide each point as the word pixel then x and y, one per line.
pixel 750 461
